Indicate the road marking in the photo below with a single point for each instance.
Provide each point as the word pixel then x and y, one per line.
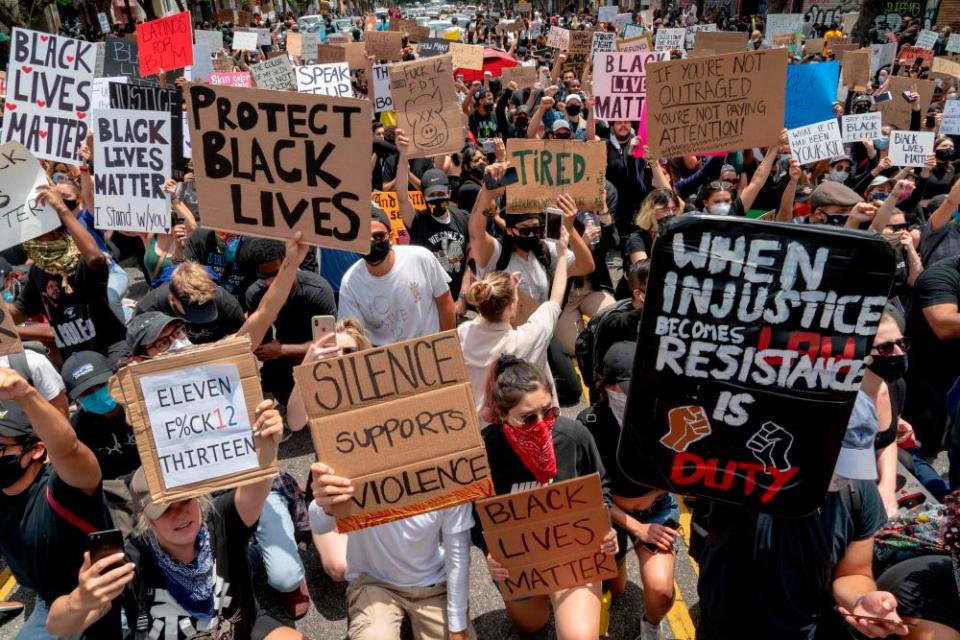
pixel 685 522
pixel 8 581
pixel 681 625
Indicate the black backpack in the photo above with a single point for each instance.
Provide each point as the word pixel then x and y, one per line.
pixel 586 346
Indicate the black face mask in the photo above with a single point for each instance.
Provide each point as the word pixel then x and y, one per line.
pixel 890 368
pixel 526 243
pixel 71 204
pixel 943 155
pixel 10 469
pixel 476 171
pixel 379 250
pixel 437 209
pixel 573 110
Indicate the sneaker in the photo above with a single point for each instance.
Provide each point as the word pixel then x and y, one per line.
pixel 297 602
pixel 648 630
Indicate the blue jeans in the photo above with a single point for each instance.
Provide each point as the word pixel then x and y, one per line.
pixel 117 283
pixel 277 547
pixel 35 627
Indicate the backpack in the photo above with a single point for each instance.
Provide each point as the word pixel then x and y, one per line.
pixel 586 346
pixel 18 362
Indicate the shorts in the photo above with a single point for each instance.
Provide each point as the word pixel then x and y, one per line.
pixel 263 626
pixel 925 588
pixel 663 509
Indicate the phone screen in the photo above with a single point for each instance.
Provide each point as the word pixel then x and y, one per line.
pixel 881 98
pixel 509 177
pixel 101 544
pixel 554 222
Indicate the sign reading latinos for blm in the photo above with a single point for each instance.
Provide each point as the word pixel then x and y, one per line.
pixel 22 218
pixel 47 104
pixel 165 43
pixel 133 150
pixel 200 425
pixel 750 355
pixel 620 83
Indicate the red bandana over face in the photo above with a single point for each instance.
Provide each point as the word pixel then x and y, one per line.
pixel 534 445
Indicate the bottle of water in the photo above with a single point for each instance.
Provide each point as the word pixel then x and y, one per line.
pixel 589 220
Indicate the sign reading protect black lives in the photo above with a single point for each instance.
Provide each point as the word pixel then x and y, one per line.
pixel 750 355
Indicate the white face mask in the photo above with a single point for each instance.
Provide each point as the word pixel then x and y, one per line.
pixel 720 208
pixel 180 343
pixel 839 176
pixel 618 404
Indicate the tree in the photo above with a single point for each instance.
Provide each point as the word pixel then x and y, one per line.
pixel 869 11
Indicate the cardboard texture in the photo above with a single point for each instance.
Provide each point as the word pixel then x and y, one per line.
pixel 384 45
pixel 856 69
pixel 387 200
pixel 896 112
pixel 275 73
pixel 737 102
pixel 620 84
pixel 577 54
pixel 813 46
pixel 126 388
pixel 225 15
pixel 722 41
pixel 425 100
pixel 328 53
pixel 22 218
pixel 294 44
pixel 524 76
pixel 356 58
pixel 949 68
pixel 243 18
pixel 165 43
pixel 401 423
pixel 547 168
pixel 212 38
pixel 9 338
pixel 549 538
pixel 317 184
pixel 467 56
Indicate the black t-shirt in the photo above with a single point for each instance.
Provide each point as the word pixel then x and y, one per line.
pixel 311 297
pixel 81 320
pixel 940 244
pixel 467 195
pixel 447 241
pixel 234 275
pixel 639 240
pixel 483 126
pixel 932 359
pixel 235 609
pixel 229 314
pixel 779 571
pixel 603 426
pixel 111 440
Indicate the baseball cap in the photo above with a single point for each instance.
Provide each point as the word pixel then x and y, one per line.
pixel 558 125
pixel 377 214
pixel 142 501
pixel 879 180
pixel 435 185
pixel 14 423
pixel 84 370
pixel 618 364
pixel 841 158
pixel 5 267
pixel 858 460
pixel 523 109
pixel 200 312
pixel 145 329
pixel 834 193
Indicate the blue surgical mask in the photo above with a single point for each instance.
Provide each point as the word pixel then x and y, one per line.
pixel 99 402
pixel 881 143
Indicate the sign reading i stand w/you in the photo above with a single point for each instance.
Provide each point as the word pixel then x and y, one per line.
pixel 269 163
pixel 47 104
pixel 750 355
pixel 401 422
pixel 22 218
pixel 132 149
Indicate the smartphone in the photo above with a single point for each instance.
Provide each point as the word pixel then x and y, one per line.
pixel 101 544
pixel 509 177
pixel 880 98
pixel 322 326
pixel 909 97
pixel 554 222
pixel 488 145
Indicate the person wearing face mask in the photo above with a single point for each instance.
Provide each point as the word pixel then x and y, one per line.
pixel 840 169
pixel 837 205
pixel 574 109
pixel 100 423
pixel 222 252
pixel 483 120
pixel 627 173
pixel 940 236
pixel 474 164
pixel 153 333
pixel 941 172
pixel 721 198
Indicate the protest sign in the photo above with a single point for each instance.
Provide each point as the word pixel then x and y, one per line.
pixel 740 394
pixel 524 8
pixel 120 58
pixel 276 73
pixel 325 79
pixel 549 538
pixel 811 92
pixel 214 39
pixel 558 38
pixel 620 83
pixel 165 43
pixel 22 218
pixel 603 42
pixel 814 142
pixel 814 46
pixel 782 24
pixel 294 44
pixel 387 200
pixel 547 168
pixel 381 89
pixel 104 22
pixel 425 100
pixel 401 423
pixel 264 175
pixel 356 58
pixel 263 36
pixel 9 338
pixel 467 56
pixel 861 126
pixel 634 30
pixel 670 39
pixel 908 55
pixel 840 48
pixel 690 37
pixel 225 15
pixel 950 124
pixel 100 92
pixel 524 76
pixel 635 44
pixel 622 20
pixel 881 55
pixel 730 101
pixel 327 53
pixel 384 45
pixel 133 150
pixel 856 69
pixel 910 148
pixel 202 65
pixel 308 45
pixel 223 63
pixel 430 47
pixel 244 41
pixel 49 86
pixel 607 13
pixel 231 78
pixel 948 68
pixel 722 41
pixel 578 53
pixel 243 18
pixel 896 112
pixel 926 39
pixel 150 98
pixel 191 415
pixel 953 43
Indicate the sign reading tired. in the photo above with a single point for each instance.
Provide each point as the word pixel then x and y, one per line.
pixel 272 162
pixel 547 168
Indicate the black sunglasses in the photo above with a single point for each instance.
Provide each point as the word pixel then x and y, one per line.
pixel 530 232
pixel 887 348
pixel 531 419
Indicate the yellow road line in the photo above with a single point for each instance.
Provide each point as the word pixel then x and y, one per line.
pixel 8 581
pixel 681 625
pixel 685 522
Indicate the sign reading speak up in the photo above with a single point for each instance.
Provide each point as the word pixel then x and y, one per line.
pixel 547 168
pixel 400 422
pixel 549 538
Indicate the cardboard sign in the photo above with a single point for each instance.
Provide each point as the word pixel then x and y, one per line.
pixel 927 39
pixel 693 30
pixel 782 24
pixel 897 112
pixel 953 43
pixel 950 124
pixel 328 53
pixel 400 422
pixel 738 398
pixel 636 44
pixel 634 30
pixel 275 73
pixel 384 45
pixel 524 76
pixel 165 43
pixel 946 67
pixel 725 107
pixel 620 83
pixel 549 538
pixel 133 151
pixel 387 200
pixel 910 148
pixel 670 39
pixel 141 98
pixel 603 42
pixel 425 100
pixel 308 45
pixel 813 46
pixel 325 79
pixel 356 58
pixel 9 338
pixel 244 41
pixel 430 47
pixel 816 142
pixel 191 415
pixel 856 69
pixel 214 39
pixel 811 92
pixel 49 86
pixel 908 54
pixel 722 41
pixel 622 20
pixel 577 55
pixel 861 126
pixel 225 15
pixel 558 38
pixel 525 308
pixel 294 44
pixel 312 180
pixel 547 168
pixel 382 101
pixel 607 13
pixel 22 218
pixel 467 56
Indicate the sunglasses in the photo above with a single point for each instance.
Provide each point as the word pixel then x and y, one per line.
pixel 530 232
pixel 887 348
pixel 379 236
pixel 533 418
pixel 897 227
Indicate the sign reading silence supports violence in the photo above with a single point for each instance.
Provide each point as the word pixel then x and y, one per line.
pixel 547 168
pixel 749 359
pixel 269 163
pixel 401 423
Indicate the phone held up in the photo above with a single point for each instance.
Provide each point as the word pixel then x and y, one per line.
pixel 102 544
pixel 325 326
pixel 509 177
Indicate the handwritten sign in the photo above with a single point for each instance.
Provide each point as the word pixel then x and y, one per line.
pixel 308 45
pixel 382 101
pixel 950 124
pixel 549 538
pixel 635 44
pixel 244 41
pixel 48 94
pixel 150 98
pixel 603 42
pixel 558 38
pixel 620 83
pixel 607 13
pixel 275 73
pixel 388 201
pixel 425 100
pixel 670 39
pixel 811 92
pixel 693 30
pixel 752 410
pixel 722 41
pixel 214 39
pixel 953 43
pixel 908 55
pixel 384 45
pixel 857 127
pixel 730 101
pixel 815 142
pixel 327 53
pixel 897 112
pixel 467 56
pixel 165 43
pixel 782 24
pixel 524 76
pixel 578 54
pixel 430 47
pixel 231 78
pixel 948 68
pixel 22 218
pixel 400 421
pixel 547 168
pixel 314 181
pixel 910 148
pixel 325 79
pixel 856 69
pixel 927 39
pixel 294 44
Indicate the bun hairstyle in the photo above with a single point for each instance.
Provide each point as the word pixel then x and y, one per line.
pixel 493 294
pixel 510 379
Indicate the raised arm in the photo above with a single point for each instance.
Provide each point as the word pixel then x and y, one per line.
pixel 407 211
pixel 536 120
pixel 785 212
pixel 89 250
pixel 559 287
pixel 482 243
pixel 945 211
pixel 883 214
pixel 86 173
pixel 750 192
pixel 267 430
pixel 583 257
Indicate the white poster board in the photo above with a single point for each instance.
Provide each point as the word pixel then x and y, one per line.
pixel 670 39
pixel 861 126
pixel 910 148
pixel 815 142
pixel 382 101
pixel 950 124
pixel 244 41
pixel 22 218
pixel 325 79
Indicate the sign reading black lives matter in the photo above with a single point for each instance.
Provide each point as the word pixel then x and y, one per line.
pixel 146 98
pixel 750 355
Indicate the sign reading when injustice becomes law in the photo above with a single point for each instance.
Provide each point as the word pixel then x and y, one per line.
pixel 549 538
pixel 22 218
pixel 400 421
pixel 749 359
pixel 547 168
pixel 268 163
pixel 425 100
pixel 165 43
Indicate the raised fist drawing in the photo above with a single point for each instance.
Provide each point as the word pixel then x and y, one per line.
pixel 770 445
pixel 687 425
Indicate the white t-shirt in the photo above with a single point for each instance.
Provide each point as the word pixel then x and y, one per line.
pixel 534 280
pixel 46 380
pixel 400 305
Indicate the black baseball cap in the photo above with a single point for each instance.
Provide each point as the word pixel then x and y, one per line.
pixel 435 185
pixel 145 329
pixel 618 364
pixel 199 312
pixel 5 267
pixel 14 423
pixel 84 370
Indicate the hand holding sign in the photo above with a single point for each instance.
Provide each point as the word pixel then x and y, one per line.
pixel 329 489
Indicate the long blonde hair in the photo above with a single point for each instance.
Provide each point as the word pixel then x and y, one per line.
pixel 646 217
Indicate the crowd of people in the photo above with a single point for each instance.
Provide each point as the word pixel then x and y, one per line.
pixel 543 323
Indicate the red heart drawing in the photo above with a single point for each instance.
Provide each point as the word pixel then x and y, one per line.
pixel 41 103
pixel 11 106
pixel 69 58
pixel 43 134
pixel 81 115
pixel 44 38
pixel 26 69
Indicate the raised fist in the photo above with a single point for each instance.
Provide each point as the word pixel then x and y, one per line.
pixel 687 425
pixel 770 445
